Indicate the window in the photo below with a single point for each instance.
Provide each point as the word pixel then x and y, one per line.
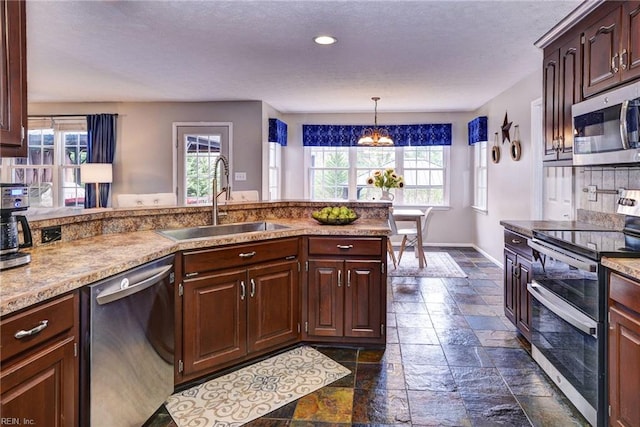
pixel 275 170
pixel 330 175
pixel 57 148
pixel 480 188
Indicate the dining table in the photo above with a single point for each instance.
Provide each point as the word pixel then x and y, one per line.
pixel 416 216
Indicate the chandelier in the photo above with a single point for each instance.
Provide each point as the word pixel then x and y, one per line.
pixel 375 136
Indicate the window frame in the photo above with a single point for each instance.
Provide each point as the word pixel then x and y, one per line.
pixel 480 176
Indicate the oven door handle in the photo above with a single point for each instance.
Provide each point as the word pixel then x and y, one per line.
pixel 574 262
pixel 563 309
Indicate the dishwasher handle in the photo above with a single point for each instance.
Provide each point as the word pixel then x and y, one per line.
pixel 125 289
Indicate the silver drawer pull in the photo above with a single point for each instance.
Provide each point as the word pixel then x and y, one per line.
pixel 516 241
pixel 247 254
pixel 35 331
pixel 344 246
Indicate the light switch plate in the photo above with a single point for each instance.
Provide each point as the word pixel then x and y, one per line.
pixel 592 196
pixel 240 176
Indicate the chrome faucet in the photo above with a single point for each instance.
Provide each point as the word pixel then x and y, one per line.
pixel 226 190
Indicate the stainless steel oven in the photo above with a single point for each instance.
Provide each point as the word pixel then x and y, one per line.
pixel 567 322
pixel 569 305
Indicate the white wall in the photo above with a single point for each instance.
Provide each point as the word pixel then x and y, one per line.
pixel 451 226
pixel 510 184
pixel 144 147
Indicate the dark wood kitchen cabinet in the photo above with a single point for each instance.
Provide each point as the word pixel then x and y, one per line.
pixel 562 87
pixel 517 273
pixel 238 302
pixel 345 297
pixel 13 79
pixel 612 47
pixel 624 350
pixel 39 374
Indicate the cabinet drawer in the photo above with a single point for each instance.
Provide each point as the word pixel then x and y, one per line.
pixel 518 244
pixel 345 246
pixel 57 315
pixel 624 291
pixel 239 255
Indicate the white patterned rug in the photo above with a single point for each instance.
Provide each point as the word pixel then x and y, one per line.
pixel 251 392
pixel 439 264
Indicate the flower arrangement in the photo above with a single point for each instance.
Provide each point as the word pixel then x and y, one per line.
pixel 386 179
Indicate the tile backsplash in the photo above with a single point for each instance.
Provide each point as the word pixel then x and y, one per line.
pixel 604 178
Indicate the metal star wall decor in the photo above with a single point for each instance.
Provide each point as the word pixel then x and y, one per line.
pixel 506 126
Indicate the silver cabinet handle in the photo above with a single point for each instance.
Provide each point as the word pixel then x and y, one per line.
pixel 247 254
pixel 33 331
pixel 623 59
pixel 243 290
pixel 344 246
pixel 614 68
pixel 253 288
pixel 516 241
pixel 339 278
pixel 349 279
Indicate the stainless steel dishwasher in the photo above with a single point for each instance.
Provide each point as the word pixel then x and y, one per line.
pixel 127 325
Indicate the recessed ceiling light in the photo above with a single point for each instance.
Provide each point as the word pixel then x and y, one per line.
pixel 325 40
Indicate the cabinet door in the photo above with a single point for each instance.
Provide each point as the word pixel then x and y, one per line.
pixel 601 53
pixel 523 308
pixel 214 320
pixel 325 298
pixel 550 81
pixel 510 291
pixel 362 299
pixel 624 368
pixel 13 79
pixel 273 295
pixel 570 92
pixel 630 55
pixel 41 389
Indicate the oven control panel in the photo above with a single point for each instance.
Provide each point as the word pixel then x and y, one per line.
pixel 629 203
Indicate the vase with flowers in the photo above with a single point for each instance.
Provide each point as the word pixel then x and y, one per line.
pixel 386 180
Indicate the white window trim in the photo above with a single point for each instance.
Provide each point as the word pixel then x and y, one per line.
pixel 479 147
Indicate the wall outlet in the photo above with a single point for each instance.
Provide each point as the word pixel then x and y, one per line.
pixel 51 234
pixel 240 176
pixel 592 195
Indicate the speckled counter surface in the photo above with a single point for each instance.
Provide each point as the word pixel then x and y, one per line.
pixel 65 266
pixel 526 227
pixel 627 266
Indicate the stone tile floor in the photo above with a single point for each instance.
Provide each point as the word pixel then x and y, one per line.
pixel 452 359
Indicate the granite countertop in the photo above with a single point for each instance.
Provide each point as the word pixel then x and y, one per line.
pixel 627 266
pixel 65 266
pixel 526 227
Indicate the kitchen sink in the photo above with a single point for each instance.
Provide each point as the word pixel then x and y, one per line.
pixel 206 231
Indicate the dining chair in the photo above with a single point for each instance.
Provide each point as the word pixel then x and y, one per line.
pixel 410 236
pixel 394 232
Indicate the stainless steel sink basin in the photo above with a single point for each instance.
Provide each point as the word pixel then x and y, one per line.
pixel 208 231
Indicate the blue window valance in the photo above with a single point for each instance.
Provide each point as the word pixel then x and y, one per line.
pixel 478 130
pixel 278 132
pixel 403 135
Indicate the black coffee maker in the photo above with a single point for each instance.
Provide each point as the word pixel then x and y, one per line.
pixel 13 198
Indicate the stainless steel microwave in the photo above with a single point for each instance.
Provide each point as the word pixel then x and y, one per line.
pixel 606 128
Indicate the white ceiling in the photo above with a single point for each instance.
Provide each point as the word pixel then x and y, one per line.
pixel 416 55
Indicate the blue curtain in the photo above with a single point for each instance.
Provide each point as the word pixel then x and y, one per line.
pixel 418 135
pixel 278 132
pixel 478 130
pixel 101 148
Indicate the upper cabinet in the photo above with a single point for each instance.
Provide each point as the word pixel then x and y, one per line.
pixel 594 54
pixel 13 79
pixel 612 48
pixel 562 87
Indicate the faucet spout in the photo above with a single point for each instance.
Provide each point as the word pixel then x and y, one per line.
pixel 225 163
